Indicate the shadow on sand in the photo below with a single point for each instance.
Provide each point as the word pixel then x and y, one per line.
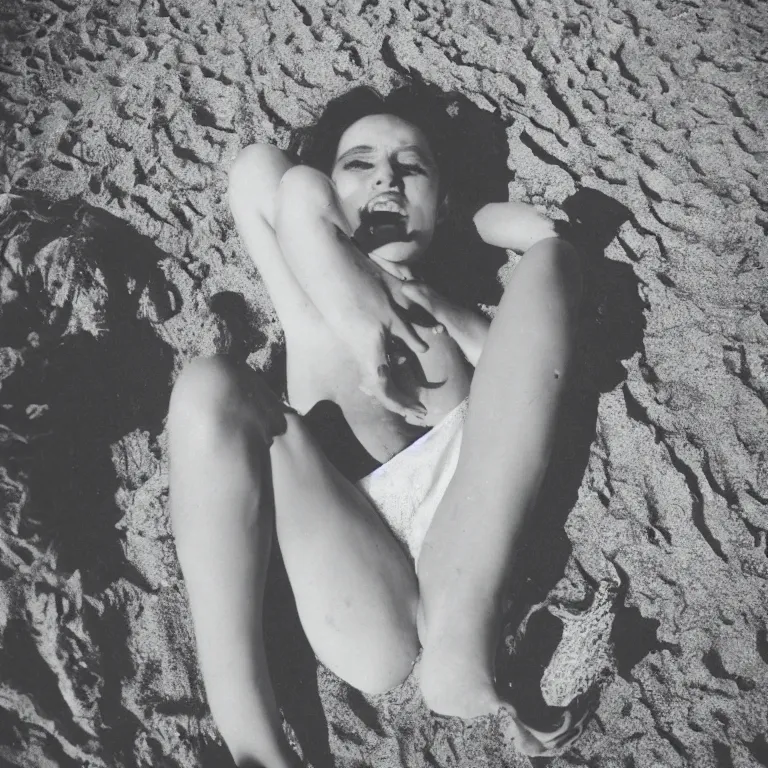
pixel 94 370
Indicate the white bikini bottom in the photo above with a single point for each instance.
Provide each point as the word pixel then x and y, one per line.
pixel 407 489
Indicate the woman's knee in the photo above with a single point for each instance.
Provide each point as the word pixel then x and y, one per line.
pixel 215 395
pixel 204 386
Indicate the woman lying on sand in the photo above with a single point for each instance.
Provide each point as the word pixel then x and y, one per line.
pixel 452 423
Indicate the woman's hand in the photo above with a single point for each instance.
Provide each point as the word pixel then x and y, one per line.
pixel 368 325
pixel 468 329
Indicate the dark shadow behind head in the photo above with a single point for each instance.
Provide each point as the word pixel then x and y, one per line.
pixel 470 148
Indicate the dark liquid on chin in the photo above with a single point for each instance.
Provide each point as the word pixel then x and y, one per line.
pixel 379 228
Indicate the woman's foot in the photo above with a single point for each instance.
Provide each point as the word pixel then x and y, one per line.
pixel 533 742
pixel 451 688
pixel 454 689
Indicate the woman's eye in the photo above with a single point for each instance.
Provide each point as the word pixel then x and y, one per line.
pixel 412 168
pixel 356 165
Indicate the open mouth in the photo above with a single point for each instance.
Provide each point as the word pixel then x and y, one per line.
pixel 383 220
pixel 378 228
pixel 386 203
pixel 385 210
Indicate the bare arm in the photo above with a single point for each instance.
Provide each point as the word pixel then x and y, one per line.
pixel 513 225
pixel 254 180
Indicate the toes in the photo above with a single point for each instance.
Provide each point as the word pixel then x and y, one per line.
pixel 535 743
pixel 569 738
pixel 548 736
pixel 525 740
pixel 559 745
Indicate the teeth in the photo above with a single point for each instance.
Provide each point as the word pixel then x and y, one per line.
pixel 386 205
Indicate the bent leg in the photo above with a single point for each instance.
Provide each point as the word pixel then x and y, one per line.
pixel 508 436
pixel 234 450
pixel 354 586
pixel 220 421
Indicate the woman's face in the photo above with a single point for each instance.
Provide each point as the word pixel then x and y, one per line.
pixel 387 181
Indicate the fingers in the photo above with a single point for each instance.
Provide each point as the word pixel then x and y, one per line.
pixel 416 418
pixel 383 389
pixel 378 382
pixel 558 746
pixel 405 331
pixel 420 294
pixel 555 742
pixel 429 300
pixel 567 739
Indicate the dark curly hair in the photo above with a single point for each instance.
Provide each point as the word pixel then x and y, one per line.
pixel 469 147
pixel 421 106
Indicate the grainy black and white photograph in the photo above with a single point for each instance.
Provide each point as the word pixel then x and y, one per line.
pixel 383 383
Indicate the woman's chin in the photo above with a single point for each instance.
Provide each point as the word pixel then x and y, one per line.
pixel 398 252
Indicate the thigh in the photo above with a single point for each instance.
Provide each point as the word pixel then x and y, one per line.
pixel 508 434
pixel 355 588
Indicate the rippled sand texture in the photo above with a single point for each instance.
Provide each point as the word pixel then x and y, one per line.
pixel 133 110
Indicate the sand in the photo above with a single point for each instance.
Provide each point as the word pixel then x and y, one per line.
pixel 645 120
